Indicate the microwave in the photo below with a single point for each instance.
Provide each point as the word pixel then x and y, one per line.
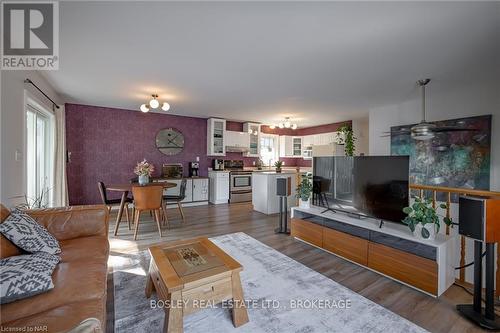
pixel 307 153
pixel 172 170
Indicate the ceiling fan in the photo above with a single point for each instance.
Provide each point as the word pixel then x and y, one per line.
pixel 424 130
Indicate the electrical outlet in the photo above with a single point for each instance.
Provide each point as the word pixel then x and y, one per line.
pixel 18 155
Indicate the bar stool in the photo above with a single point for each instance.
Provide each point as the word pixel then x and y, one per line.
pixel 147 198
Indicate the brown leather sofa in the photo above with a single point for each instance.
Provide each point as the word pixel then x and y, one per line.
pixel 79 279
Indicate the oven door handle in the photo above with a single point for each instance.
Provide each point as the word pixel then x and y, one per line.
pixel 241 192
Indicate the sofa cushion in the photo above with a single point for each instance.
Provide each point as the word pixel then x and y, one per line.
pixel 63 318
pixel 95 247
pixel 74 281
pixel 30 236
pixel 7 248
pixel 26 275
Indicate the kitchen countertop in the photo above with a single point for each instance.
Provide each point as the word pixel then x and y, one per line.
pixel 284 172
pixel 289 169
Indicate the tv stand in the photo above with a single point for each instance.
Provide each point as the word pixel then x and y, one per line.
pixel 329 210
pixel 393 251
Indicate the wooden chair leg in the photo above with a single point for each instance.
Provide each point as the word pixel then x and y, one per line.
pixel 180 209
pixel 109 209
pixel 157 218
pixel 133 214
pixel 127 213
pixel 136 221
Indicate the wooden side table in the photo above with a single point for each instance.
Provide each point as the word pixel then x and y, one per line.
pixel 189 275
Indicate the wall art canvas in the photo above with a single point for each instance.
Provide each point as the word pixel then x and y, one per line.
pixel 452 159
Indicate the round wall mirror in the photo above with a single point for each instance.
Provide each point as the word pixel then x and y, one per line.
pixel 170 141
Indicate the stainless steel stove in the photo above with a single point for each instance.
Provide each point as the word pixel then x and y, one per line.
pixel 240 186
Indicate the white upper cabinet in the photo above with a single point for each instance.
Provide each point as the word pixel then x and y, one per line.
pixel 290 146
pixel 253 131
pixel 216 137
pixel 286 146
pixel 307 141
pixel 297 146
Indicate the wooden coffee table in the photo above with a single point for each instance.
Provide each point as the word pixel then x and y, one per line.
pixel 193 274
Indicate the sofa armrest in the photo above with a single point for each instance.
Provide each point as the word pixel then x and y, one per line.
pixel 74 221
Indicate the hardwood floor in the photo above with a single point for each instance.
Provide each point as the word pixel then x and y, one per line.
pixel 435 315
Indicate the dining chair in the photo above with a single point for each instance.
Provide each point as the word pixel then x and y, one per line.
pixel 147 198
pixel 177 198
pixel 113 202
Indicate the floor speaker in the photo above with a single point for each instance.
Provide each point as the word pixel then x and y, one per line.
pixel 479 218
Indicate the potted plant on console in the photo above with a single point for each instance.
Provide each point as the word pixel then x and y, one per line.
pixel 144 170
pixel 304 191
pixel 423 219
pixel 278 165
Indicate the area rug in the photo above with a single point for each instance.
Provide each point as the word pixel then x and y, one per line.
pixel 283 296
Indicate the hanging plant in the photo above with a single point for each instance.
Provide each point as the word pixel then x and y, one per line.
pixel 347 139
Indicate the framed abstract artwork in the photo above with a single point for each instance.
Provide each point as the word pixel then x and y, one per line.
pixel 458 159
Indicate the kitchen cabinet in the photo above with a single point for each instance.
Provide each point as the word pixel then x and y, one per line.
pixel 197 190
pixel 253 130
pixel 297 146
pixel 237 139
pixel 307 141
pixel 218 187
pixel 286 146
pixel 200 189
pixel 264 198
pixel 216 137
pixel 290 146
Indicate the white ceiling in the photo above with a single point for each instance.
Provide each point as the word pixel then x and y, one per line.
pixel 316 62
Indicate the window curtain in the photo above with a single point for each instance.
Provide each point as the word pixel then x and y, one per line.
pixel 60 193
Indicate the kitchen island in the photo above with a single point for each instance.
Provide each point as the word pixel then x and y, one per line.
pixel 264 198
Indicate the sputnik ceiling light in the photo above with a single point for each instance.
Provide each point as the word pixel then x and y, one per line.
pixel 285 124
pixel 154 104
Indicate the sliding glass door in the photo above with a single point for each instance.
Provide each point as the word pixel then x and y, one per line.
pixel 39 156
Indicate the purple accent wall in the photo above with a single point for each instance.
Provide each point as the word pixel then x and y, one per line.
pixel 106 144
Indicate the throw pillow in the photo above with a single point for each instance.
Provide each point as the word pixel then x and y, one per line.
pixel 26 275
pixel 22 230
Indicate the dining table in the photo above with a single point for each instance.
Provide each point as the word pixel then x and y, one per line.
pixel 125 188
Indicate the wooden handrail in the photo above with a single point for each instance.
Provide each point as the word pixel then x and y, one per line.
pixel 466 191
pixel 462 191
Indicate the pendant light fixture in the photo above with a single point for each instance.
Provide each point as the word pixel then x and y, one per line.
pixel 423 130
pixel 284 124
pixel 154 104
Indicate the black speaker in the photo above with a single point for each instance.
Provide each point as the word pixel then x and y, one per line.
pixel 283 187
pixel 471 217
pixel 479 218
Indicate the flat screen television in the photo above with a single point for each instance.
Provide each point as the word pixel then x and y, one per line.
pixel 373 186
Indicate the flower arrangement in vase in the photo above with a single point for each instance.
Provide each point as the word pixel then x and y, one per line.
pixel 144 170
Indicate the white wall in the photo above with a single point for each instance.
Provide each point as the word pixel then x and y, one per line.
pixel 13 180
pixel 442 103
pixel 360 127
